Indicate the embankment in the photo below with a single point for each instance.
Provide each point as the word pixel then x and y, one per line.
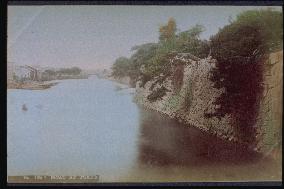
pixel 31 85
pixel 190 95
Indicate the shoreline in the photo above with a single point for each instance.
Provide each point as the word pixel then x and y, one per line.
pixel 32 86
pixel 40 85
pixel 123 81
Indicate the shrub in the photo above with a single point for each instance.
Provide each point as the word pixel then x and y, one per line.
pixel 157 94
pixel 121 67
pixel 240 49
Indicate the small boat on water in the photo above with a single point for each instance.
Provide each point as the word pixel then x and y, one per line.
pixel 24 107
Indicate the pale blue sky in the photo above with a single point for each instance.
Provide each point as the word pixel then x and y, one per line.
pixel 94 36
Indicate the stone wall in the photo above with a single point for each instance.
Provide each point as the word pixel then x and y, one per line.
pixel 196 86
pixel 197 94
pixel 270 112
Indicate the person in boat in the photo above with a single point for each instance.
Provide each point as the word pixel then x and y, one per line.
pixel 24 107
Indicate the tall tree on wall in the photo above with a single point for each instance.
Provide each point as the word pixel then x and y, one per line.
pixel 168 31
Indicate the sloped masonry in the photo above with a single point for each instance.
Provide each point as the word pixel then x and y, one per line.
pixel 270 112
pixel 195 98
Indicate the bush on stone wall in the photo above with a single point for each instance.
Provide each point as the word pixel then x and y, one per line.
pixel 157 94
pixel 240 49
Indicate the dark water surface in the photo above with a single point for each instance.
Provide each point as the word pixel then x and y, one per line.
pixel 92 127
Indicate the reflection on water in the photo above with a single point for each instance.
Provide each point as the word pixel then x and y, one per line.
pixel 92 127
pixel 171 151
pixel 165 142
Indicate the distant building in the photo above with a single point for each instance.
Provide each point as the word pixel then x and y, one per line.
pixel 22 73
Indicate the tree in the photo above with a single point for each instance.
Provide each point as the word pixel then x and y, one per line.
pixel 70 71
pixel 168 31
pixel 154 58
pixel 75 70
pixel 189 41
pixel 186 42
pixel 50 72
pixel 120 67
pixel 141 58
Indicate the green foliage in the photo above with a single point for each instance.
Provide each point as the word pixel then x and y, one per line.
pixel 142 57
pixel 121 67
pixel 50 72
pixel 16 78
pixel 132 67
pixel 152 59
pixel 62 73
pixel 67 71
pixel 189 41
pixel 270 24
pixel 240 49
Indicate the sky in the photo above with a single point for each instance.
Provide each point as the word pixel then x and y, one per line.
pixel 92 37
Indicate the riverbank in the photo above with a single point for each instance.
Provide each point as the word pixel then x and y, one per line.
pixel 122 80
pixel 191 100
pixel 31 85
pixel 41 85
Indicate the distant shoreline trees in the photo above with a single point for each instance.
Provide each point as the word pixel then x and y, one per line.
pixel 51 74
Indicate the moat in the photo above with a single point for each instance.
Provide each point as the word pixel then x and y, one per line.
pixel 93 127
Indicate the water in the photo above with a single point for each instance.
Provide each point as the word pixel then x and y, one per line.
pixel 92 127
